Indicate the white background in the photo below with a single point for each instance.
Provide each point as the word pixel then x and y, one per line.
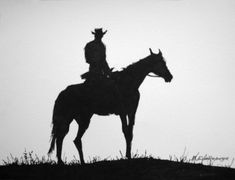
pixel 41 52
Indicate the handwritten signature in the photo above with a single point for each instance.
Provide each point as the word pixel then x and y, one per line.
pixel 207 157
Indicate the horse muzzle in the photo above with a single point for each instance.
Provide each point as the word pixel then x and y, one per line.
pixel 168 78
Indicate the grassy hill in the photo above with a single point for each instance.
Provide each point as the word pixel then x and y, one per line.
pixel 139 168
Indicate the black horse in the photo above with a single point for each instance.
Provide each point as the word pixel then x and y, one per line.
pixel 81 101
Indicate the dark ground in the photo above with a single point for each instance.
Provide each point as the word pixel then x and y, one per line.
pixel 141 168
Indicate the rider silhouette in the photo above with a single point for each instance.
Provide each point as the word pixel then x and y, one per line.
pixel 95 54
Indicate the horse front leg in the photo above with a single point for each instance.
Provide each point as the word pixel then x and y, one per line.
pixel 131 122
pixel 133 104
pixel 129 141
pixel 125 132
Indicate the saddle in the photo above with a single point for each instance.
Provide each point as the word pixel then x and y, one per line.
pixel 102 88
pixel 91 75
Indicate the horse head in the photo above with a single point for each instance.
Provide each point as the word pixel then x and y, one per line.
pixel 159 67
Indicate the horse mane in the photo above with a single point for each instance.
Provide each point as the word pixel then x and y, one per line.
pixel 139 64
pixel 135 66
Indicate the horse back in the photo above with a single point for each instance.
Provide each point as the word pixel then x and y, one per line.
pixel 69 99
pixel 102 99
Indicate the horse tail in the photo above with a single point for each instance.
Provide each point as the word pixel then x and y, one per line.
pixel 57 120
pixel 53 135
pixel 52 147
pixel 55 124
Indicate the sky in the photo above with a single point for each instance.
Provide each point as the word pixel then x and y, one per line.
pixel 42 51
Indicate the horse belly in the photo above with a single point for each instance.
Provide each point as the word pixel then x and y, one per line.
pixel 104 107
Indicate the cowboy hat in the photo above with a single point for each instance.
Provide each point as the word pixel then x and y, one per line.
pixel 99 31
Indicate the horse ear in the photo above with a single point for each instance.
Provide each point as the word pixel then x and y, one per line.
pixel 151 52
pixel 105 32
pixel 160 52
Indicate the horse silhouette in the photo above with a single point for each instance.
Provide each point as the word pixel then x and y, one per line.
pixel 81 101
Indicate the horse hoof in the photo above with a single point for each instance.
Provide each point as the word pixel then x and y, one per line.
pixel 60 162
pixel 82 163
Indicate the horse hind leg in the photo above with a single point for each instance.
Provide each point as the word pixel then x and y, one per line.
pixel 62 130
pixel 83 125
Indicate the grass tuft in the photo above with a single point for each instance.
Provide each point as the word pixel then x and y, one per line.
pixel 28 158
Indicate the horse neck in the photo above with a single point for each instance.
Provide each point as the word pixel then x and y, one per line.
pixel 137 73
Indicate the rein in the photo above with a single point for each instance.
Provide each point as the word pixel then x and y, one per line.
pixel 153 75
